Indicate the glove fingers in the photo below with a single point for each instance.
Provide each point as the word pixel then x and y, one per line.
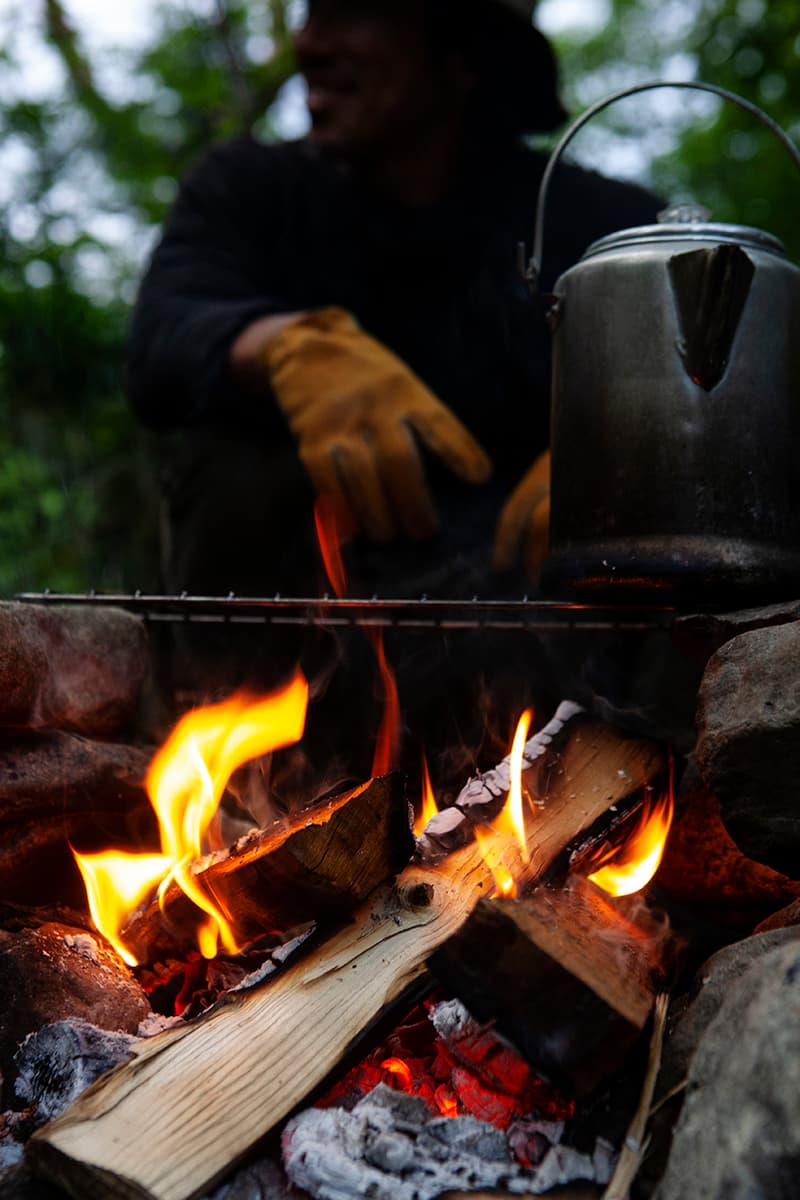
pixel 347 475
pixel 444 434
pixel 404 480
pixel 321 470
pixel 359 480
pixel 510 531
pixel 525 519
pixel 537 539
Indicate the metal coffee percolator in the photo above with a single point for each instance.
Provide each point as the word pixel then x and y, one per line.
pixel 675 432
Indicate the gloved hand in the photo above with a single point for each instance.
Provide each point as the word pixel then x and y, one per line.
pixel 356 411
pixel 524 525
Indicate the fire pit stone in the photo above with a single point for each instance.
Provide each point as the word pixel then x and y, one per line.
pixel 748 743
pixel 54 972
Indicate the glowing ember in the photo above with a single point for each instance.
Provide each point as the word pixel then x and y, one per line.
pixel 185 783
pixel 632 865
pixel 446 1101
pixel 503 843
pixel 456 1069
pixel 429 806
pixel 399 1068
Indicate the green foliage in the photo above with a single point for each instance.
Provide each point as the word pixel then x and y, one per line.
pixel 696 147
pixel 77 493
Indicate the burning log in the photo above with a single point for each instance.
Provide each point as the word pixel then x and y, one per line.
pixel 577 771
pixel 324 869
pixel 267 1049
pixel 570 979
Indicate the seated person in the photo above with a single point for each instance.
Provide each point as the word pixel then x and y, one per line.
pixel 345 315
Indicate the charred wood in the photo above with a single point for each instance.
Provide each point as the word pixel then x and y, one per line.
pixel 568 978
pixel 583 778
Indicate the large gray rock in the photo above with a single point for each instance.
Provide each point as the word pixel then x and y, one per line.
pixel 748 742
pixel 716 979
pixel 62 667
pixel 738 1137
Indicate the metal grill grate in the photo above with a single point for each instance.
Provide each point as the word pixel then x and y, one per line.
pixel 421 613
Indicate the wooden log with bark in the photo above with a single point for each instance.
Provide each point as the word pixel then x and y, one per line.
pixel 199 1099
pixel 569 974
pixel 320 869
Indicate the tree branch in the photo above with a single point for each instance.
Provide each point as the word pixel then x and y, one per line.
pixel 64 40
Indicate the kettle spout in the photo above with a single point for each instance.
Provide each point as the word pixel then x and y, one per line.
pixel 710 288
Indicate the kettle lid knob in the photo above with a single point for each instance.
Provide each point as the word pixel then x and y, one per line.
pixel 683 213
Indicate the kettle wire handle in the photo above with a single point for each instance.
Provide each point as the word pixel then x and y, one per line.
pixel 533 269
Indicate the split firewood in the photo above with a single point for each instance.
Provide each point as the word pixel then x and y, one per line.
pixel 267 1049
pixel 319 870
pixel 569 976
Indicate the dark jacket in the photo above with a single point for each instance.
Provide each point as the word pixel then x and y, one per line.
pixel 266 229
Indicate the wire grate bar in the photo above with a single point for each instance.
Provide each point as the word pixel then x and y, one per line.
pixel 421 613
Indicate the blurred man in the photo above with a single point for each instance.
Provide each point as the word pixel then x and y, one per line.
pixel 344 316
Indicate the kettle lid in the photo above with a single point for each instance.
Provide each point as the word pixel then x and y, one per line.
pixel 688 223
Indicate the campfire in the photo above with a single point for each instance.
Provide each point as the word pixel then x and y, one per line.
pixel 414 1006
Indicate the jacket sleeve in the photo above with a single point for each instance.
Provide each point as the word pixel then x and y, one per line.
pixel 208 278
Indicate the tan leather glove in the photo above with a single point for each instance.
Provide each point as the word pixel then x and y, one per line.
pixel 524 525
pixel 357 411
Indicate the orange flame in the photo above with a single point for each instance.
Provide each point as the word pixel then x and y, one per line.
pixel 503 843
pixel 387 745
pixel 634 864
pixel 185 783
pixel 331 535
pixel 429 806
pixel 115 884
pixel 515 795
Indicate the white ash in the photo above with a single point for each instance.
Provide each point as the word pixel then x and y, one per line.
pixel 83 944
pixel 155 1023
pixel 15 1128
pixel 276 960
pixel 451 1020
pixel 11 1153
pixel 60 1061
pixel 390 1148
